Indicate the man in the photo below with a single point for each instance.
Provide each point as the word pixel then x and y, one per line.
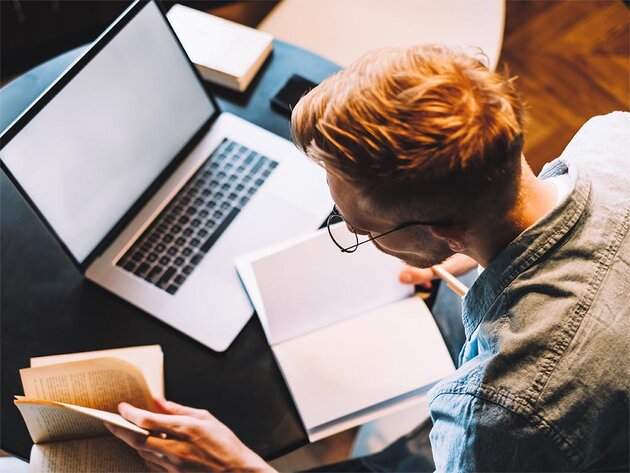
pixel 426 134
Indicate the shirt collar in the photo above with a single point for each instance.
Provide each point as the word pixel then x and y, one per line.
pixel 526 249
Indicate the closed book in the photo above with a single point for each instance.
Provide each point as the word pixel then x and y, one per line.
pixel 224 52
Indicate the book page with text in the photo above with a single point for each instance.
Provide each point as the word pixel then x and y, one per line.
pixel 149 359
pixel 106 454
pixel 312 284
pixel 100 383
pixel 50 421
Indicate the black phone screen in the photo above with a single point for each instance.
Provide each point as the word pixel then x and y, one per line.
pixel 290 93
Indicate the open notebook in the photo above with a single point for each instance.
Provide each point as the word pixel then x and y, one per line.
pixel 352 342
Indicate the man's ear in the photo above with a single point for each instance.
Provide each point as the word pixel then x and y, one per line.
pixel 455 236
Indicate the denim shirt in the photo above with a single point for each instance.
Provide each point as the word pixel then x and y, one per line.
pixel 543 382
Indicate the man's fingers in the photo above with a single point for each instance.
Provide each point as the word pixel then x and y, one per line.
pixel 170 424
pixel 142 442
pixel 160 461
pixel 170 407
pixel 417 276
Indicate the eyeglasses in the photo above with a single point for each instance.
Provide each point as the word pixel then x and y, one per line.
pixel 346 238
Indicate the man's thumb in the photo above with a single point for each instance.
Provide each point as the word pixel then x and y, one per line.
pixel 417 276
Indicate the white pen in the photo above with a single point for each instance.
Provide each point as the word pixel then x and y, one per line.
pixel 451 281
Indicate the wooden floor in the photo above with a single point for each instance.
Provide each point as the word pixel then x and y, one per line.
pixel 572 62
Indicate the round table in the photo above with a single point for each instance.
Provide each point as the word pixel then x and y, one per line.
pixel 48 307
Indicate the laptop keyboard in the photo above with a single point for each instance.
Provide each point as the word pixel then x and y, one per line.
pixel 176 242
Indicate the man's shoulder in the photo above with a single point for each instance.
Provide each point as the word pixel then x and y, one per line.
pixel 602 146
pixel 476 428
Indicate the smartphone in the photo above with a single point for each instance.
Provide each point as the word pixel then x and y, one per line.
pixel 290 93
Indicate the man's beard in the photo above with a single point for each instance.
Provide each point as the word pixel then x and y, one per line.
pixel 435 255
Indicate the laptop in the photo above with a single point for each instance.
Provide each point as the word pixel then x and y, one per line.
pixel 149 188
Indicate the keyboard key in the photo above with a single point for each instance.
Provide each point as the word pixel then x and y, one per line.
pixel 164 260
pixel 202 233
pixel 188 269
pixel 160 248
pixel 172 251
pixel 203 213
pixel 210 223
pixel 183 219
pixel 137 256
pixel 180 241
pixel 179 261
pixel 225 205
pixel 152 257
pixel 195 259
pixel 166 277
pixel 130 266
pixel 142 269
pixel 195 242
pixel 186 251
pixel 218 214
pixel 179 279
pixel 187 232
pixel 218 231
pixel 154 273
pixel 258 165
pixel 176 229
pixel 191 210
pixel 232 196
pixel 250 157
pixel 195 222
pixel 225 186
pixel 172 289
pixel 198 201
pixel 167 239
pixel 205 192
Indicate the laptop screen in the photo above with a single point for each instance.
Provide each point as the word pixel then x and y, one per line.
pixel 93 150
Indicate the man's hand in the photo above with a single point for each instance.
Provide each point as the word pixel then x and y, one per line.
pixel 457 265
pixel 194 440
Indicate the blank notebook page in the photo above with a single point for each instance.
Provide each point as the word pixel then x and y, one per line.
pixel 363 361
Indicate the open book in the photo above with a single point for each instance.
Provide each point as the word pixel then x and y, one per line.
pixel 352 342
pixel 67 398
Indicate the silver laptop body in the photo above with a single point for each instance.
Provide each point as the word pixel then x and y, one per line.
pixel 127 147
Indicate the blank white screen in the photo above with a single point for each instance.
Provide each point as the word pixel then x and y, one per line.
pixel 88 155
